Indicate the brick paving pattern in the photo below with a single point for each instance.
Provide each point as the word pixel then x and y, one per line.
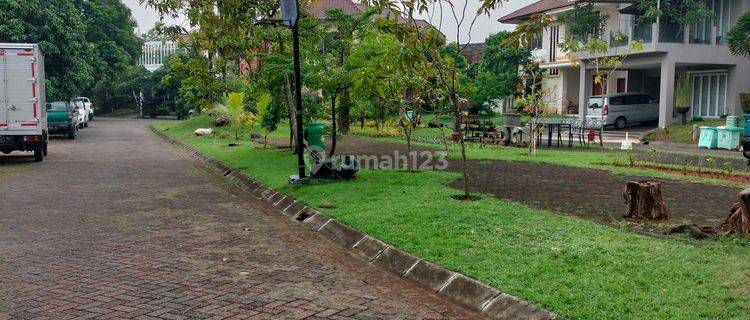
pixel 118 225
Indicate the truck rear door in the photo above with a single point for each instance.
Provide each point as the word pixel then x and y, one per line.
pixel 3 94
pixel 21 90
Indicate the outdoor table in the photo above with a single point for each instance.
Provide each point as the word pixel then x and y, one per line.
pixel 560 124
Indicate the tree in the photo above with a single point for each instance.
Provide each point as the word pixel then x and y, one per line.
pixel 113 44
pixel 738 37
pixel 56 26
pixel 338 34
pixel 583 21
pixel 130 85
pixel 535 101
pixel 497 72
pixel 385 71
pixel 330 72
pixel 199 86
pixel 445 65
pixel 233 108
pixel 268 116
pixel 585 44
pixel 605 60
pixel 219 40
pixel 679 12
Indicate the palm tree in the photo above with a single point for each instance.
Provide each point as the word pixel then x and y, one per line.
pixel 234 109
pixel 266 116
pixel 738 37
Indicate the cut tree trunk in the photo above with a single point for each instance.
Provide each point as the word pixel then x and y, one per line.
pixel 739 216
pixel 645 200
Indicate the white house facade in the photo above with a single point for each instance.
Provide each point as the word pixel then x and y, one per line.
pixel 698 51
pixel 155 53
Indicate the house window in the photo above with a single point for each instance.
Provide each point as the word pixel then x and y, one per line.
pixel 709 94
pixel 535 43
pixel 722 20
pixel 700 32
pixel 554 39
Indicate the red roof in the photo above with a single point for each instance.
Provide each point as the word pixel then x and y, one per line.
pixel 318 8
pixel 536 7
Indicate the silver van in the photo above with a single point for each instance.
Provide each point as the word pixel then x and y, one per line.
pixel 621 109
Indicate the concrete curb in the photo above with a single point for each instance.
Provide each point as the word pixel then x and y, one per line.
pixel 472 293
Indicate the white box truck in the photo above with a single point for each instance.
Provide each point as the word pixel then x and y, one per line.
pixel 23 119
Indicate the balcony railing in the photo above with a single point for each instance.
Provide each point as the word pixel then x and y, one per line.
pixel 642 33
pixel 671 33
pixel 618 39
pixel 667 33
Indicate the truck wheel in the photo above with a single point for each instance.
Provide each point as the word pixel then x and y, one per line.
pixel 72 134
pixel 45 148
pixel 39 153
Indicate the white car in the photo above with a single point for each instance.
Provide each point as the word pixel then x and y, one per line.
pixel 89 107
pixel 621 109
pixel 83 117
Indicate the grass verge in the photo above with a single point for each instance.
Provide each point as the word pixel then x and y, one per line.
pixel 574 267
pixel 676 133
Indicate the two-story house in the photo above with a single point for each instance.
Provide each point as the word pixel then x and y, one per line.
pixel 698 51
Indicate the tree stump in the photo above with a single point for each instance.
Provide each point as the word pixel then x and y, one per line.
pixel 739 217
pixel 645 200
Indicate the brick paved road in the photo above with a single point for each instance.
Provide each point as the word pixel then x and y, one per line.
pixel 118 224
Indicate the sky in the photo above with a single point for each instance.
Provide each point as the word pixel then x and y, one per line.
pixel 484 26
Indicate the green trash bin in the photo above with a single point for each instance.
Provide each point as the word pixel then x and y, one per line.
pixel 728 137
pixel 747 125
pixel 314 136
pixel 708 137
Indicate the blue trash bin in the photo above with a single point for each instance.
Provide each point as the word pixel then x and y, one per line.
pixel 709 137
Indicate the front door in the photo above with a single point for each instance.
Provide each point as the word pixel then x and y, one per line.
pixel 598 89
pixel 621 85
pixel 709 94
pixel 3 93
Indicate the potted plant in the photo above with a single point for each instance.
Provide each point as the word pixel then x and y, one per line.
pixel 682 96
pixel 745 102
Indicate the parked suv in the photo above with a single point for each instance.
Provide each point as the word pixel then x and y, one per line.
pixel 621 109
pixel 83 121
pixel 62 118
pixel 88 106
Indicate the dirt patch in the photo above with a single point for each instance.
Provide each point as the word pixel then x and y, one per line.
pixel 742 178
pixel 588 193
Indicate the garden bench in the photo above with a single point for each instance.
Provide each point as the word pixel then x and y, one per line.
pixel 587 126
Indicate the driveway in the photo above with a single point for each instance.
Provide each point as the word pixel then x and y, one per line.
pixel 634 133
pixel 118 224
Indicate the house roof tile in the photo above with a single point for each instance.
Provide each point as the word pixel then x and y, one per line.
pixel 536 7
pixel 318 8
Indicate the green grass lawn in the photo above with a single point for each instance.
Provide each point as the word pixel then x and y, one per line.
pixel 590 157
pixel 576 268
pixel 681 133
pixel 423 131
